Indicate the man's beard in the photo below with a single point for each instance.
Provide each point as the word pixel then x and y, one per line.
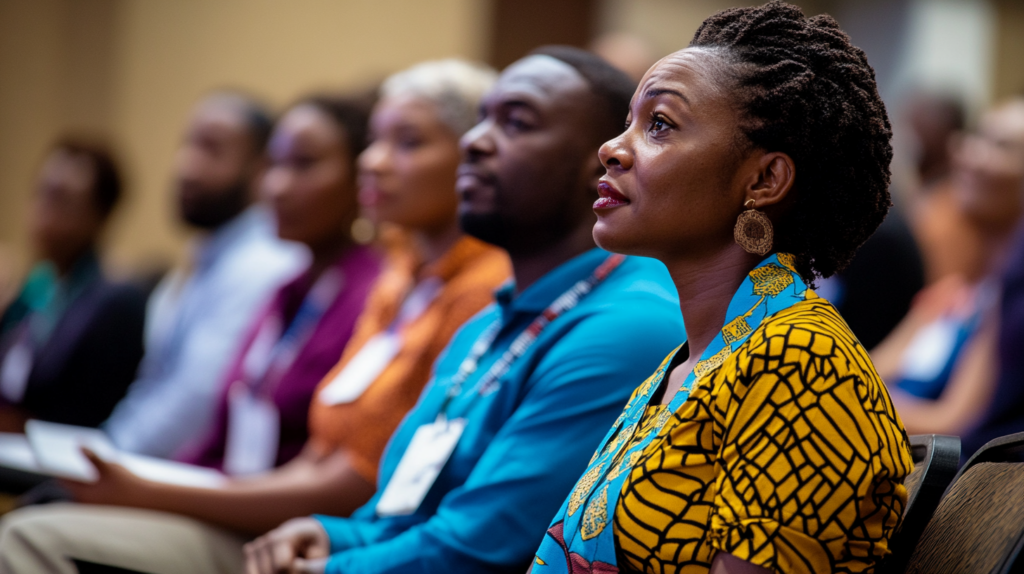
pixel 487 227
pixel 209 210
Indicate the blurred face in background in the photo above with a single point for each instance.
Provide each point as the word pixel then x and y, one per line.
pixel 65 218
pixel 215 166
pixel 407 174
pixel 989 169
pixel 310 182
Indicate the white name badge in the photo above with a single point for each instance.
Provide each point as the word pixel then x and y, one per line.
pixel 15 372
pixel 254 431
pixel 930 350
pixel 362 370
pixel 422 462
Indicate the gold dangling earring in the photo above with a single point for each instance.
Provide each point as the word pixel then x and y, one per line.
pixel 363 230
pixel 753 231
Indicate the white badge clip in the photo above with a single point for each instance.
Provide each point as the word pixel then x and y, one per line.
pixel 15 372
pixel 254 429
pixel 362 370
pixel 422 462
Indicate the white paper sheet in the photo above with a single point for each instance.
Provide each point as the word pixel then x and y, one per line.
pixel 16 453
pixel 57 450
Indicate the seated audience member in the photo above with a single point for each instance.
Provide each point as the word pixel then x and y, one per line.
pixel 523 392
pixel 434 282
pixel 766 442
pixel 197 319
pixel 922 355
pixel 1002 412
pixel 311 186
pixel 955 331
pixel 951 244
pixel 932 119
pixel 71 341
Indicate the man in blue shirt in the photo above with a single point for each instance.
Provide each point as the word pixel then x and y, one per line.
pixel 196 321
pixel 526 390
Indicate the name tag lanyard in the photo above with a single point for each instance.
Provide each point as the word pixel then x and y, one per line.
pixel 379 351
pixel 489 382
pixel 432 444
pixel 254 422
pixel 270 355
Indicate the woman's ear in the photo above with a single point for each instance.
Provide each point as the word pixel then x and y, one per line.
pixel 776 174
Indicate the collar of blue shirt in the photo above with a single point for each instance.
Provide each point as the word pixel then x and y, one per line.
pixel 538 296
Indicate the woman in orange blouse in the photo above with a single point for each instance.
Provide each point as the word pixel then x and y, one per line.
pixel 436 279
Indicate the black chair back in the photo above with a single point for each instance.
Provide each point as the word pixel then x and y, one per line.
pixel 936 458
pixel 978 527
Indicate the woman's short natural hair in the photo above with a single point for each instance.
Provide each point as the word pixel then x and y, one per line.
pixel 806 91
pixel 454 86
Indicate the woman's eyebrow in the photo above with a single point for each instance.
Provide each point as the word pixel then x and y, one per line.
pixel 655 92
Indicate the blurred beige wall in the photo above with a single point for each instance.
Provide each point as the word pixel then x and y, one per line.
pixel 132 69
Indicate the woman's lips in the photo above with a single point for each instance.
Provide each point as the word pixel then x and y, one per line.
pixel 610 197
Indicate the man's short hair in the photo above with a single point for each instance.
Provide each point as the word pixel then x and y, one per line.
pixel 256 116
pixel 610 85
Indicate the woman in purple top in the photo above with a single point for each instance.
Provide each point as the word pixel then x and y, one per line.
pixel 310 184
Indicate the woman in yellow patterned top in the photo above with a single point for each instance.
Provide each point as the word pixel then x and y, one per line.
pixel 753 161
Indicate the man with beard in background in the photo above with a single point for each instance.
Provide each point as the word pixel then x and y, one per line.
pixel 198 316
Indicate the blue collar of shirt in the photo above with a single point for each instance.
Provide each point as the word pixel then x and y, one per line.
pixel 538 296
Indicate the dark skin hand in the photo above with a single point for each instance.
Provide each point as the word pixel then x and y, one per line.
pixel 533 143
pixel 12 419
pixel 683 180
pixel 310 483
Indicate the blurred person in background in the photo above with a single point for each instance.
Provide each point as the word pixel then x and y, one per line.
pixel 70 343
pixel 940 362
pixel 933 120
pixel 1003 411
pixel 525 389
pixel 262 421
pixel 198 317
pixel 951 242
pixel 435 279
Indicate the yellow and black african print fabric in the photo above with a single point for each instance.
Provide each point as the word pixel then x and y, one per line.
pixel 789 456
pixel 781 448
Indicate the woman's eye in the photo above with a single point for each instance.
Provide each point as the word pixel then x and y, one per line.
pixel 658 123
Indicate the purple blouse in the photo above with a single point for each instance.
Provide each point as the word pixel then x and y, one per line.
pixel 293 390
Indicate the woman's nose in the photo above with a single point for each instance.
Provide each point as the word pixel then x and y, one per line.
pixel 373 158
pixel 275 183
pixel 613 154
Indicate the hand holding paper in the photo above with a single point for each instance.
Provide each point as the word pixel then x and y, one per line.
pixel 113 484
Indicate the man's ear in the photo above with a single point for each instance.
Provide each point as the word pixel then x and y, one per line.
pixel 773 180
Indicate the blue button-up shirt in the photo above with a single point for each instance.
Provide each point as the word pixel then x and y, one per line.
pixel 526 443
pixel 194 328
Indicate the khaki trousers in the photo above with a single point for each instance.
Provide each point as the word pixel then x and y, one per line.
pixel 43 539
